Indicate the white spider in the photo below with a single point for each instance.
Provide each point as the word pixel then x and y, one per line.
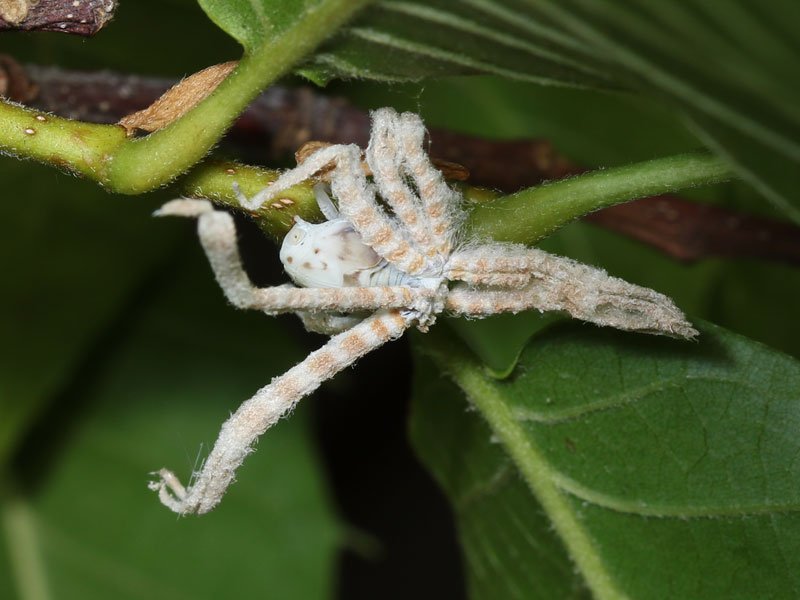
pixel 392 246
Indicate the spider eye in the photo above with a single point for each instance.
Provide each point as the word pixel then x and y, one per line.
pixel 296 236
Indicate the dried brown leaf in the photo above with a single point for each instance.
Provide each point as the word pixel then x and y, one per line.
pixel 178 100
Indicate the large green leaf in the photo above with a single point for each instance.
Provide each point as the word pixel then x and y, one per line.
pixel 410 40
pixel 667 469
pixel 509 545
pixel 83 522
pixel 727 66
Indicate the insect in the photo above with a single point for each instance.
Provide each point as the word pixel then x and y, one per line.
pixel 391 256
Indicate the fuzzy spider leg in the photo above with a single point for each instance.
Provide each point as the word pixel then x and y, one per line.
pixel 379 230
pixel 302 172
pixel 268 405
pixel 584 292
pixel 496 265
pixel 440 202
pixel 387 162
pixel 217 233
pixel 327 323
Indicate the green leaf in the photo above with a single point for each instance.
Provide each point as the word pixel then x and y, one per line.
pixel 667 469
pixel 71 271
pixel 82 522
pixel 727 68
pixel 509 545
pixel 412 40
pixel 251 22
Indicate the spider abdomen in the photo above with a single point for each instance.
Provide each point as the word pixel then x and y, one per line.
pixel 332 254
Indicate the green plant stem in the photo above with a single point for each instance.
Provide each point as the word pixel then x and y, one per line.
pixel 467 372
pixel 148 163
pixel 82 148
pixel 525 217
pixel 533 214
pixel 214 179
pixel 134 166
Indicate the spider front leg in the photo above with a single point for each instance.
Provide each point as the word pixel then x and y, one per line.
pixel 217 233
pixel 268 405
pixel 584 292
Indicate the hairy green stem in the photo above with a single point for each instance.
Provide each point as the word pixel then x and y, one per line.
pixel 133 166
pixel 214 180
pixel 145 164
pixel 23 545
pixel 81 148
pixel 533 214
pixel 525 217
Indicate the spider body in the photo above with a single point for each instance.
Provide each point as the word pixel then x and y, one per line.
pixel 329 254
pixel 332 254
pixel 390 256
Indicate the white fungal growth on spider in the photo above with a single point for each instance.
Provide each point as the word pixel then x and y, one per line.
pixel 390 246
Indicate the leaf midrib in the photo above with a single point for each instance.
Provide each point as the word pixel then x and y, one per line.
pixel 534 468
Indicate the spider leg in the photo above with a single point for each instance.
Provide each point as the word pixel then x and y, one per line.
pixel 302 172
pixel 218 236
pixel 586 293
pixel 387 163
pixel 268 405
pixel 326 205
pixel 379 230
pixel 439 201
pixel 503 265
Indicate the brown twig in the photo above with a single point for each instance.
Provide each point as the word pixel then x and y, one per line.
pixel 688 231
pixel 283 119
pixel 78 17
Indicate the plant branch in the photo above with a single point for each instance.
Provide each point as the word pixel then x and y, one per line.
pixel 213 179
pixel 147 163
pixel 277 122
pixel 689 231
pixel 525 217
pixel 134 166
pixel 63 16
pixel 281 119
pixel 81 148
pixel 534 213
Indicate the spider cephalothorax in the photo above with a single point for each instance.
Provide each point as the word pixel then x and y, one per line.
pixel 392 247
